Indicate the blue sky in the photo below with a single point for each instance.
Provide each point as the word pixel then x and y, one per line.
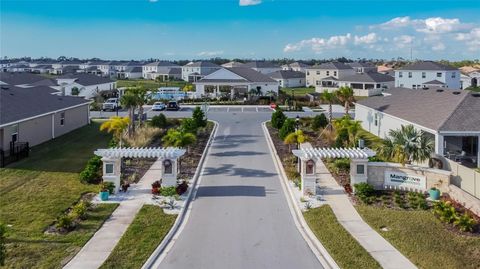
pixel 192 29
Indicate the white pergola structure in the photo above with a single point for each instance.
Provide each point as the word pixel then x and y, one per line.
pixel 112 157
pixel 309 156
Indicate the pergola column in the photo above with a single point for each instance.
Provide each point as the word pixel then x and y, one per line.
pixel 358 171
pixel 308 177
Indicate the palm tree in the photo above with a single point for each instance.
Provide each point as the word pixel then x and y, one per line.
pixel 345 95
pixel 271 94
pixel 407 145
pixel 329 98
pixel 351 127
pixel 116 125
pixel 257 91
pixel 130 102
pixel 142 98
pixel 294 138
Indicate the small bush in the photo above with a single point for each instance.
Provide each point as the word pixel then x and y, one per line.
pixel 465 223
pixel 65 222
pixel 342 164
pixel 364 192
pixel 189 126
pixel 287 128
pixel 159 121
pixel 278 118
pixel 79 211
pixel 107 186
pixel 445 211
pixel 319 121
pixel 198 117
pixel 182 188
pixel 90 173
pixel 168 191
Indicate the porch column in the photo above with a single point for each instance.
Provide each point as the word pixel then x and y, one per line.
pixel 439 144
pixel 478 152
pixel 232 93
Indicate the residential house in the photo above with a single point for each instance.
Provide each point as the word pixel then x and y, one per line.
pixel 25 80
pixel 326 75
pixel 85 85
pixel 289 78
pixel 232 64
pixel 35 115
pixel 423 74
pixel 386 70
pixel 366 84
pixel 296 66
pixel 264 67
pixel 131 72
pixel 469 77
pixel 362 67
pixel 450 117
pixel 165 70
pixel 235 82
pixel 194 71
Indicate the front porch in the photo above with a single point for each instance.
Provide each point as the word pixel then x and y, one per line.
pixel 233 91
pixel 462 149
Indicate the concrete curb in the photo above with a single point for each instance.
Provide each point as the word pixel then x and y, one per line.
pixel 167 243
pixel 317 248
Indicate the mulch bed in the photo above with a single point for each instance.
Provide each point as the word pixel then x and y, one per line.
pixel 189 161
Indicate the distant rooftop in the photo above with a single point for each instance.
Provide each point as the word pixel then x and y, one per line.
pixel 332 65
pixel 428 65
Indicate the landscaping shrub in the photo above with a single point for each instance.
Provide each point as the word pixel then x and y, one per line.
pixel 107 186
pixel 65 222
pixel 287 128
pixel 182 188
pixel 156 187
pixel 143 136
pixel 112 143
pixel 189 126
pixel 278 118
pixel 465 223
pixel 342 138
pixel 198 117
pixel 79 211
pixel 445 211
pixel 364 192
pixel 159 121
pixel 168 191
pixel 319 121
pixel 91 172
pixel 342 164
pixel 417 201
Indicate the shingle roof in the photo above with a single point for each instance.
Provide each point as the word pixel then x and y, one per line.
pixel 427 65
pixel 246 74
pixel 286 74
pixel 332 65
pixel 361 64
pixel 21 103
pixel 368 77
pixel 162 64
pixel 436 108
pixel 232 64
pixel 260 64
pixel 24 79
pixel 133 69
pixel 296 64
pixel 201 64
pixel 434 82
pixel 86 79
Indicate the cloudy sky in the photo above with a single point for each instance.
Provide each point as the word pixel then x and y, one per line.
pixel 192 29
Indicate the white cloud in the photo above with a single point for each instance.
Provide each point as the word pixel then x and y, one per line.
pixel 403 41
pixel 438 47
pixel 319 44
pixel 210 53
pixel 471 39
pixel 370 38
pixel 394 23
pixel 152 1
pixel 249 2
pixel 440 25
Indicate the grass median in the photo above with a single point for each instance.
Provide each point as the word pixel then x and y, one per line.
pixel 142 237
pixel 343 248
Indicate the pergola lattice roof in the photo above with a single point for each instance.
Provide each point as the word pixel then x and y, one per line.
pixel 353 153
pixel 141 152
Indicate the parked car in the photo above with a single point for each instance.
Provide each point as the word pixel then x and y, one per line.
pixel 173 105
pixel 158 106
pixel 111 104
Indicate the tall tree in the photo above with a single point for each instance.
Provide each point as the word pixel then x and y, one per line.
pixel 345 95
pixel 142 99
pixel 329 98
pixel 130 101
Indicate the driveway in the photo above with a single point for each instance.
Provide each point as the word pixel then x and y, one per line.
pixel 240 216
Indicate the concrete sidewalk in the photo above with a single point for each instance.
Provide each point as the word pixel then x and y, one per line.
pixel 380 249
pixel 99 247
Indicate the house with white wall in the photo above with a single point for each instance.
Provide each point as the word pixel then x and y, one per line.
pixel 450 117
pixel 362 67
pixel 235 82
pixel 470 79
pixel 88 85
pixel 326 75
pixel 424 74
pixel 296 66
pixel 264 67
pixel 289 78
pixel 364 84
pixel 165 70
pixel 194 71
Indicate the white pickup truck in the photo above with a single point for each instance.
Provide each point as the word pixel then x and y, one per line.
pixel 111 104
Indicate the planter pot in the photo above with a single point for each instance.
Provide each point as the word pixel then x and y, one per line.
pixel 434 194
pixel 104 195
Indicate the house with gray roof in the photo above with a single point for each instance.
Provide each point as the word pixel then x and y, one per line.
pixel 423 74
pixel 289 78
pixel 235 82
pixel 84 85
pixel 296 66
pixel 326 74
pixel 450 117
pixel 264 67
pixel 164 70
pixel 194 71
pixel 35 115
pixel 363 67
pixel 363 84
pixel 25 80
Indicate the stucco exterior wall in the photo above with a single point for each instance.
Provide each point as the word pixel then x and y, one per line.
pixel 74 118
pixel 416 79
pixel 35 131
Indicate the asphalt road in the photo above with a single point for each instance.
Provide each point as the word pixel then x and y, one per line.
pixel 240 216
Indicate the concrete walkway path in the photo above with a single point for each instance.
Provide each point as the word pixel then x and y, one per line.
pixel 380 249
pixel 99 247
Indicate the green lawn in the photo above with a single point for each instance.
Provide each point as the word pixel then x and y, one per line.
pixel 149 84
pixel 299 91
pixel 38 189
pixel 141 238
pixel 423 239
pixel 343 248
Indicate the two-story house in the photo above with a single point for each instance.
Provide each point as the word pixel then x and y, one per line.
pixel 296 66
pixel 362 67
pixel 326 75
pixel 424 74
pixel 194 71
pixel 162 69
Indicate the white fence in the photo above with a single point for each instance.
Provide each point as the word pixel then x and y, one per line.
pixel 465 178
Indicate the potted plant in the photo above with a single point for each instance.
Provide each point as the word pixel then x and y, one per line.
pixel 104 191
pixel 434 193
pixel 156 187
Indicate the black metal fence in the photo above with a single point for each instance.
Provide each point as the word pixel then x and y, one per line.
pixel 17 151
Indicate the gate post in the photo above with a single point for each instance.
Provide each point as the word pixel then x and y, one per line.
pixel 112 171
pixel 358 171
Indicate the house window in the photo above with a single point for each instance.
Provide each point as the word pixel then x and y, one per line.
pixel 317 82
pixel 409 74
pixel 360 169
pixel 309 169
pixel 168 167
pixel 376 120
pixel 318 72
pixel 308 73
pixel 328 73
pixel 335 73
pixel 439 75
pixel 14 133
pixel 109 168
pixel 401 85
pixel 62 118
pixel 400 74
pixel 424 74
pixel 453 75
